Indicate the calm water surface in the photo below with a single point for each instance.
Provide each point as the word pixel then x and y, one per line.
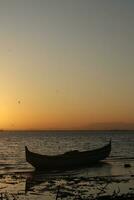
pixel 12 147
pixel 18 177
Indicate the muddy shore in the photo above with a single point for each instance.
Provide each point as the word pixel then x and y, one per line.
pixel 31 185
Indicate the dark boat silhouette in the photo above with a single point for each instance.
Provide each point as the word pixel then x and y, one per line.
pixel 68 160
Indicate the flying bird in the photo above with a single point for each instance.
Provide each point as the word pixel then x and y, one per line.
pixel 19 102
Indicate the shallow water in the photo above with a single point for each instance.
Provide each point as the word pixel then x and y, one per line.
pixel 12 146
pixel 17 175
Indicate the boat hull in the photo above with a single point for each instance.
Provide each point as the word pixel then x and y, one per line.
pixel 68 160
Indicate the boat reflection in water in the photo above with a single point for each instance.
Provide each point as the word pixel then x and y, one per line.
pixel 50 181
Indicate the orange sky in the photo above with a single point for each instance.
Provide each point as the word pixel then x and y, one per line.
pixel 66 64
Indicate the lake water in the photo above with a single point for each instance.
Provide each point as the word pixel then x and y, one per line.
pixel 12 145
pixel 12 154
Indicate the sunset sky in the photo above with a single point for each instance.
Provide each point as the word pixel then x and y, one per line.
pixel 66 64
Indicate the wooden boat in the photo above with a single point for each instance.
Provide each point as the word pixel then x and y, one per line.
pixel 68 160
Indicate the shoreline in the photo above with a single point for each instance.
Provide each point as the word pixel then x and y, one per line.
pixel 30 184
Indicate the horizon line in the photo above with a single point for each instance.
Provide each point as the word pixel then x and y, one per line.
pixel 60 130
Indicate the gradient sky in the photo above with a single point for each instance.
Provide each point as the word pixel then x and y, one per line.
pixel 66 64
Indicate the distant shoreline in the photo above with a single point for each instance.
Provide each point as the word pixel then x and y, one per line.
pixel 109 130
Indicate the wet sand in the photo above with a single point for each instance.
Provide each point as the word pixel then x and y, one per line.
pixel 112 179
pixel 65 185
